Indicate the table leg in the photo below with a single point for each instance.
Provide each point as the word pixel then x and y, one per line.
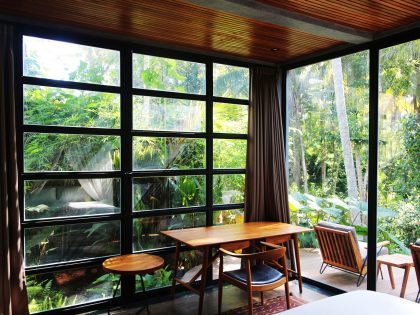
pixel 144 295
pixel 176 260
pixel 297 255
pixel 113 295
pixel 391 276
pixel 203 278
pixel 405 279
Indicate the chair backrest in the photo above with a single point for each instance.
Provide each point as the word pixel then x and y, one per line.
pixel 339 248
pixel 415 252
pixel 269 255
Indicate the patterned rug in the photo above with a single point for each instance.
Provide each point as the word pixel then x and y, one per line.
pixel 271 306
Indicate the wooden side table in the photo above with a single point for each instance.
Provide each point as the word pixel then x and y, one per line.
pixel 133 264
pixel 397 260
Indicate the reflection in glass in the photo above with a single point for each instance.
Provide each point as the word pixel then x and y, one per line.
pixel 47 291
pixel 51 106
pixel 67 152
pixel 228 188
pixel 163 277
pixel 165 74
pixel 168 192
pixel 63 243
pixel 234 216
pixel 230 81
pixel 229 153
pixel 51 59
pixel 71 197
pixel 230 118
pixel 168 114
pixel 168 153
pixel 146 231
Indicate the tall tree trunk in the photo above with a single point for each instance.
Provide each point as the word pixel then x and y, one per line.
pixel 301 144
pixel 304 171
pixel 343 126
pixel 359 173
pixel 323 174
pixel 416 96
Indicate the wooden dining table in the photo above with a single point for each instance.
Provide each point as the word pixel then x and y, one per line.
pixel 206 238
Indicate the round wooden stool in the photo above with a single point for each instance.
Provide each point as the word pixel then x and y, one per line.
pixel 133 264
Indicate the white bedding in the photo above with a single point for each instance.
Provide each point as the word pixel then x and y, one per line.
pixel 358 303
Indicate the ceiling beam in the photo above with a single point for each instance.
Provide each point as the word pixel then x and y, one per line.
pixel 273 15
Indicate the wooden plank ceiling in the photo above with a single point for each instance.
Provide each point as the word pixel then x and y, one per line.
pixel 367 15
pixel 185 24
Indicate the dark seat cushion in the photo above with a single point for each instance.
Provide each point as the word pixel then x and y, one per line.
pixel 417 242
pixel 260 274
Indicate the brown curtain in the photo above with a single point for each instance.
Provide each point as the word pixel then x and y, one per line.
pixel 266 184
pixel 13 296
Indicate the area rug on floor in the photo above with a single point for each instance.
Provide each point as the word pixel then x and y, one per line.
pixel 271 306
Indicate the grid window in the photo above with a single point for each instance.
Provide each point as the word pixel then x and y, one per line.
pixel 109 161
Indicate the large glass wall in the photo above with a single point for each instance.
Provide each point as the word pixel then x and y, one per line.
pixel 399 156
pixel 110 157
pixel 328 105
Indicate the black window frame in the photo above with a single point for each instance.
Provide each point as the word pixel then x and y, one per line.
pixel 126 134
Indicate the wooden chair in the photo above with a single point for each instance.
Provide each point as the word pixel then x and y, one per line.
pixel 415 252
pixel 258 277
pixel 341 250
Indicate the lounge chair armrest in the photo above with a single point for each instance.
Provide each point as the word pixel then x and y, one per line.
pixel 380 244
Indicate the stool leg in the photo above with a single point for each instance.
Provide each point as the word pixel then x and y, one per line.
pixel 144 295
pixel 113 296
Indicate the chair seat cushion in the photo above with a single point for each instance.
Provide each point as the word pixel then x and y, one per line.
pixel 260 274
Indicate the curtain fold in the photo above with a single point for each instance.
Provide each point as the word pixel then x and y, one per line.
pixel 13 296
pixel 266 183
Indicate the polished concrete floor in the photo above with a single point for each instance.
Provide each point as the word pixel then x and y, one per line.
pixel 187 303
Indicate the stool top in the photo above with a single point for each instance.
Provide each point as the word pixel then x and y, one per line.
pixel 133 264
pixel 396 260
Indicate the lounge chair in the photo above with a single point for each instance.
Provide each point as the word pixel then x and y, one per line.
pixel 341 250
pixel 415 252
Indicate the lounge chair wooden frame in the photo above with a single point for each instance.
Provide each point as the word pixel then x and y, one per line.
pixel 340 250
pixel 415 253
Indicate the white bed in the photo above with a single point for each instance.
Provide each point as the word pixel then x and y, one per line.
pixel 358 302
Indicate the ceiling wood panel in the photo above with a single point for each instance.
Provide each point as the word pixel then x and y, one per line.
pixel 181 23
pixel 176 22
pixel 367 15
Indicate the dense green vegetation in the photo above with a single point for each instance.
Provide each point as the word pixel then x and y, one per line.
pixel 328 143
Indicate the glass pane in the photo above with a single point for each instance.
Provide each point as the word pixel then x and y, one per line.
pixel 168 192
pixel 165 74
pixel 168 114
pixel 328 155
pixel 163 277
pixel 229 153
pixel 234 216
pixel 146 231
pixel 62 243
pixel 399 156
pixel 71 197
pixel 230 118
pixel 50 106
pixel 228 188
pixel 69 287
pixel 66 152
pixel 168 153
pixel 51 59
pixel 230 81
